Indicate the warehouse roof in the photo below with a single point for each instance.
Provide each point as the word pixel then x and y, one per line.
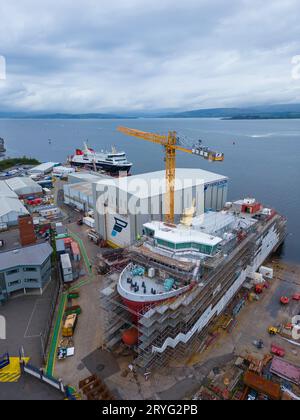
pixel 154 183
pixel 5 191
pixel 11 205
pixel 43 167
pixel 85 188
pixel 30 255
pixel 23 185
pixel 87 177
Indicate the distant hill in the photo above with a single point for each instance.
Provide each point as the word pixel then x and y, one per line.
pixel 59 116
pixel 287 111
pixel 255 112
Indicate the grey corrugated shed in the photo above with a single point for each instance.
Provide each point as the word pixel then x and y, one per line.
pixel 5 191
pixel 11 205
pixel 24 185
pixel 43 168
pixel 34 255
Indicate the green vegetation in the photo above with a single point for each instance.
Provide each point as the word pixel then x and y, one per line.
pixel 11 162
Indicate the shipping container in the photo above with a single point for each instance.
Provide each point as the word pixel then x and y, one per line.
pixel 75 251
pixel 66 264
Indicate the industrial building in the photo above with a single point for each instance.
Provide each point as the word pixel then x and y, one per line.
pixel 24 187
pixel 86 176
pixel 117 220
pixel 10 206
pixel 79 196
pixel 79 192
pixel 43 168
pixel 24 269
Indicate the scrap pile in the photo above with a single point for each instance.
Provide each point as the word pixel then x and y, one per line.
pixel 94 389
pixel 112 260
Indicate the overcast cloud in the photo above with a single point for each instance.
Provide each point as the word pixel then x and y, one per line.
pixel 129 55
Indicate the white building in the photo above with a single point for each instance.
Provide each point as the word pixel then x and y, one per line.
pixel 24 186
pixel 124 205
pixel 86 176
pixel 10 206
pixel 43 168
pixel 80 196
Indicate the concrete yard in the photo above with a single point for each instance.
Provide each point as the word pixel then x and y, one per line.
pixel 255 319
pixel 87 338
pixel 182 379
pixel 28 388
pixel 26 317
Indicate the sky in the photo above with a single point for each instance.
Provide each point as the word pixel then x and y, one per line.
pixel 148 55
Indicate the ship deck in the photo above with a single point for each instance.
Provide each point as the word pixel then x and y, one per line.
pixel 154 283
pixel 126 290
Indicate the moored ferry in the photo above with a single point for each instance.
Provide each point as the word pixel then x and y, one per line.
pixel 112 162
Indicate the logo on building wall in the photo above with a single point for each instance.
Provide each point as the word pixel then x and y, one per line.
pixel 2 328
pixel 119 226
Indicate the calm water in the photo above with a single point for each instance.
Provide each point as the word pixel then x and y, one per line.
pixel 264 162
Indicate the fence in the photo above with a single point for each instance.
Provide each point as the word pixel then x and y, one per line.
pixel 42 376
pixel 45 334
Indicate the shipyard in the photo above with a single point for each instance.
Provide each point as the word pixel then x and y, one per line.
pixel 149 203
pixel 136 293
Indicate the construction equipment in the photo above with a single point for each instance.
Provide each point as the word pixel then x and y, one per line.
pixel 284 300
pixel 273 330
pixel 259 289
pixel 171 145
pixel 69 326
pixel 259 344
pixel 277 351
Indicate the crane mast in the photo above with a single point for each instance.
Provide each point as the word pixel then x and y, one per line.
pixel 169 142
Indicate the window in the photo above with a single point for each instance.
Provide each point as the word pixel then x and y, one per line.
pixel 11 272
pixel 166 244
pixel 14 283
pixel 29 269
pixel 31 281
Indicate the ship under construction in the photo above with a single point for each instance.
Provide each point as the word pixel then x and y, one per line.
pixel 180 279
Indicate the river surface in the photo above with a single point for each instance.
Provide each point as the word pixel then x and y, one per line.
pixel 262 157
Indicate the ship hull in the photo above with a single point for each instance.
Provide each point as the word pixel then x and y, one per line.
pixel 265 246
pixel 266 243
pixel 112 169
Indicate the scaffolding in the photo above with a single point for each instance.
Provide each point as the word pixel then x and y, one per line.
pixel 177 328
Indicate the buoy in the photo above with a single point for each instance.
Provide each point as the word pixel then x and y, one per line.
pixel 130 337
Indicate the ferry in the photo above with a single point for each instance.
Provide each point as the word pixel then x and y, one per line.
pixel 182 277
pixel 112 162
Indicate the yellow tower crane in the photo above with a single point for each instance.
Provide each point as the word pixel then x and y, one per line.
pixel 170 143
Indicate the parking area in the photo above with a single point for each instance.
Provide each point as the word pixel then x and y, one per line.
pixel 26 318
